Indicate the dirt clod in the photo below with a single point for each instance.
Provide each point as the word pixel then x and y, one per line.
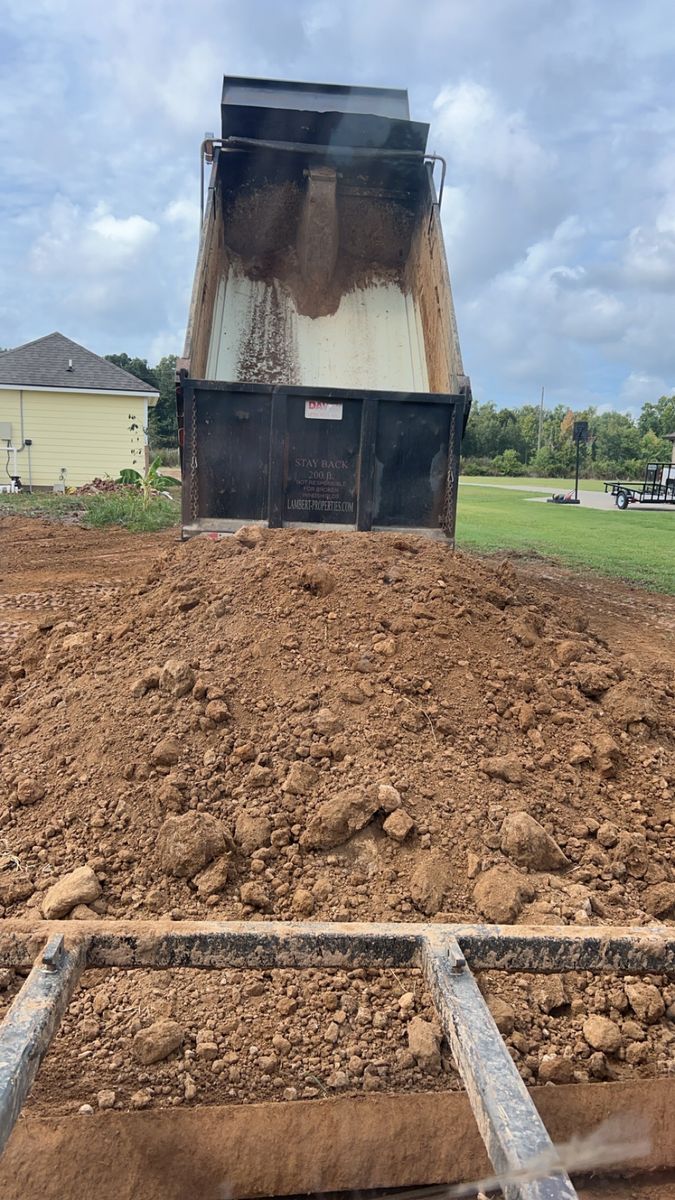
pixel 602 1034
pixel 186 844
pixel 527 843
pixel 77 887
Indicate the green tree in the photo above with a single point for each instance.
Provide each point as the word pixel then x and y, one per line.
pixel 653 448
pixel 659 417
pixel 135 366
pixel 163 427
pixel 508 463
pixel 617 438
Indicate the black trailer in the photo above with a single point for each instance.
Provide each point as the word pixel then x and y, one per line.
pixel 658 487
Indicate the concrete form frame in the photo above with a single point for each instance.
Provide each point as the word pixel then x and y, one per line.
pixel 512 1130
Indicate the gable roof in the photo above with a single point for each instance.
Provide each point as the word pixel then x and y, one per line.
pixel 44 363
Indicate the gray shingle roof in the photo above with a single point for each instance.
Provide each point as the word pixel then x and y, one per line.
pixel 44 363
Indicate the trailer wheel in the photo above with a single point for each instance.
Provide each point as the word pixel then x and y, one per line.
pixel 622 500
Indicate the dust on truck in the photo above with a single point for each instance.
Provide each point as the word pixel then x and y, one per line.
pixel 322 380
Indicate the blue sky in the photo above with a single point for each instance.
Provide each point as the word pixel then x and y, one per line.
pixel 556 118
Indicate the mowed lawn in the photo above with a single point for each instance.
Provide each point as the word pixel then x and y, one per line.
pixel 635 545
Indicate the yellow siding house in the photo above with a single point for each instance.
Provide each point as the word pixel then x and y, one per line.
pixel 68 416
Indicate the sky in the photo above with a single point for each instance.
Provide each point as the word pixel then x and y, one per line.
pixel 556 118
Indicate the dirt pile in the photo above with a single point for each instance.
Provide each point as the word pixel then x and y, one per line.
pixel 299 724
pixel 361 719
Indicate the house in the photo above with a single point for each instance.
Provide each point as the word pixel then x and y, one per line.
pixel 68 416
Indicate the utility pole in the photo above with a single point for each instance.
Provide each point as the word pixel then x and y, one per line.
pixel 541 420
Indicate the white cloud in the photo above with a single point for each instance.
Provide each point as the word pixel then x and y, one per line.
pixel 636 389
pixel 320 18
pixel 167 341
pixel 482 135
pixel 183 214
pixel 650 255
pixel 91 243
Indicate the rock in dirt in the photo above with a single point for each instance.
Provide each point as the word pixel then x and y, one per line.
pixel 593 679
pixel 632 853
pixel 505 766
pixel 327 723
pixel 425 1045
pixel 82 912
pixel 146 682
pixel 388 797
pixel 528 844
pixel 215 878
pixel 339 818
pixel 429 883
pixel 251 833
pixel 607 834
pixel 15 886
pixel 250 536
pixel 398 825
pixel 80 886
pixel 646 1001
pixel 550 994
pixel 555 1068
pixel 303 902
pixel 29 791
pixel 317 579
pixel 628 704
pixel 186 844
pixel 254 894
pixel 259 776
pixel 502 1014
pixel 602 1034
pixel 567 652
pixel 607 755
pixel 167 752
pixel 176 677
pixel 499 894
pixel 157 1041
pixel 659 899
pixel 300 779
pixel 580 754
pixel 217 711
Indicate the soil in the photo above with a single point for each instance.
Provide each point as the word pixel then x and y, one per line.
pixel 334 726
pixel 51 566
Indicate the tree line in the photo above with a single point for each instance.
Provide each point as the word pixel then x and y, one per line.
pixel 162 425
pixel 504 441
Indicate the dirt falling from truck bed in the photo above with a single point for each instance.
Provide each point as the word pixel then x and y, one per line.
pixel 344 727
pixel 268 232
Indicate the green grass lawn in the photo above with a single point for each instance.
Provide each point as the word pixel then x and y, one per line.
pixel 555 485
pixel 635 545
pixel 108 508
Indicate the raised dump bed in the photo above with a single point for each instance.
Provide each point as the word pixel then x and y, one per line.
pixel 322 381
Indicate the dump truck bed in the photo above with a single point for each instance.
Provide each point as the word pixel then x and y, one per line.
pixel 322 326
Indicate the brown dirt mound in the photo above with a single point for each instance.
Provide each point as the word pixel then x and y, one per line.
pixel 298 724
